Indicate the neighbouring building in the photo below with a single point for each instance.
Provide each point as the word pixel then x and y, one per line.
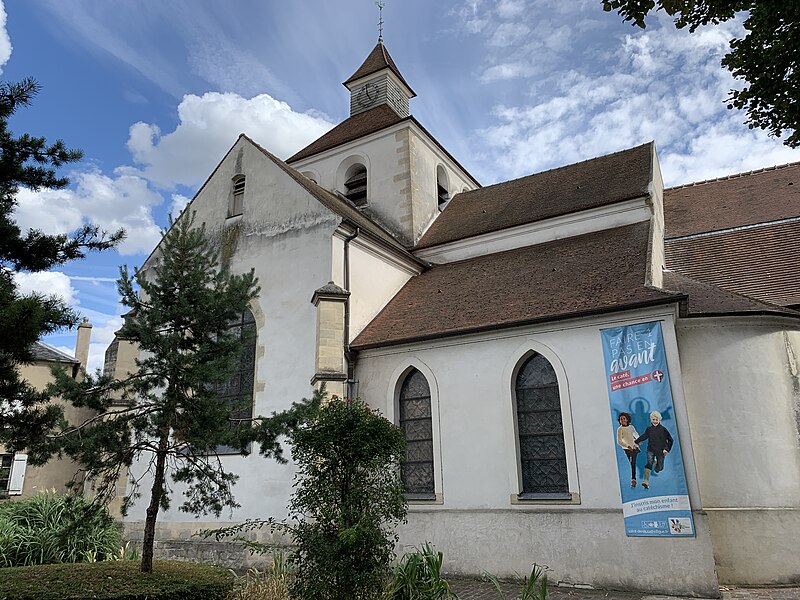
pixel 17 478
pixel 472 316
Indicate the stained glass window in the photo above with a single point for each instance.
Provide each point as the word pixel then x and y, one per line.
pixel 417 427
pixel 540 429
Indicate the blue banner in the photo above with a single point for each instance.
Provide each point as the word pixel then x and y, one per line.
pixel 655 501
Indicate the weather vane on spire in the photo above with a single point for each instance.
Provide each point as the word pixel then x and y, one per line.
pixel 380 6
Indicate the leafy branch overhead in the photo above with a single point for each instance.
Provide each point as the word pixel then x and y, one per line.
pixel 767 59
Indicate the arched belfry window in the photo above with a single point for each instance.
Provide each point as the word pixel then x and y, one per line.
pixel 441 187
pixel 236 200
pixel 540 430
pixel 417 426
pixel 237 392
pixel 355 184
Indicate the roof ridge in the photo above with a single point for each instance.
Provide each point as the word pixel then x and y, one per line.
pixel 570 165
pixel 734 175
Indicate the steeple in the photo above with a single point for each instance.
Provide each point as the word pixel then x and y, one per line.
pixel 378 81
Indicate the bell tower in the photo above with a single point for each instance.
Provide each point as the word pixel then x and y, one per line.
pixel 378 81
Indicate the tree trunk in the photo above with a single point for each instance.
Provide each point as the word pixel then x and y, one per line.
pixel 155 502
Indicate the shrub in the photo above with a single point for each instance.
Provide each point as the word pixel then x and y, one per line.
pixel 270 584
pixel 117 580
pixel 348 499
pixel 419 577
pixel 48 528
pixel 534 587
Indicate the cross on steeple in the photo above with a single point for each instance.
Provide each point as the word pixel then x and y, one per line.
pixel 380 6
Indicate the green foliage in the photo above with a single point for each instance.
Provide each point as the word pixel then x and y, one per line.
pixel 534 587
pixel 419 577
pixel 31 162
pixel 47 528
pixel 348 499
pixel 269 584
pixel 117 581
pixel 767 58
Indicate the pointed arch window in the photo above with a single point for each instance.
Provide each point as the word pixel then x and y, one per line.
pixel 237 392
pixel 540 431
pixel 416 423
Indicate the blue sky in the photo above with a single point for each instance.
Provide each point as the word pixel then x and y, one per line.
pixel 155 93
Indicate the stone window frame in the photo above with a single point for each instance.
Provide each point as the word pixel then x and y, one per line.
pixel 518 359
pixel 393 415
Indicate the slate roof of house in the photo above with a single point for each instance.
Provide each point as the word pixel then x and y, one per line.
pixel 589 184
pixel 378 59
pixel 43 352
pixel 340 206
pixel 741 233
pixel 577 276
pixel 706 300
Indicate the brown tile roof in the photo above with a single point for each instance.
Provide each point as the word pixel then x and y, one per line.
pixel 357 126
pixel 362 125
pixel 759 261
pixel 756 197
pixel 378 59
pixel 705 300
pixel 339 206
pixel 588 184
pixel 577 276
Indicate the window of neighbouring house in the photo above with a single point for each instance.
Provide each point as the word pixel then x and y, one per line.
pixel 12 473
pixel 416 423
pixel 237 392
pixel 236 201
pixel 540 431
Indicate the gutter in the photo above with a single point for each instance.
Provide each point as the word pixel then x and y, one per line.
pixel 349 355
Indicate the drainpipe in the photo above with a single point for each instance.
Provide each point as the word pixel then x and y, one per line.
pixel 349 356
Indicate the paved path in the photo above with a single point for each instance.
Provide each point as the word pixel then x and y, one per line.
pixel 469 589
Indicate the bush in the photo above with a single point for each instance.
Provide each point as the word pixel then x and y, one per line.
pixel 348 499
pixel 116 580
pixel 270 584
pixel 47 528
pixel 419 577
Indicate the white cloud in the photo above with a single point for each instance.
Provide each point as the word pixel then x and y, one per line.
pixel 47 283
pixel 509 9
pixel 508 34
pixel 109 202
pixel 5 41
pixel 661 84
pixel 179 202
pixel 208 127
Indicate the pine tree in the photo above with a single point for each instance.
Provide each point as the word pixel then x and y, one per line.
pixel 167 414
pixel 26 415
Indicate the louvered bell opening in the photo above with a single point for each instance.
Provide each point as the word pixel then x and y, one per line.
pixel 444 196
pixel 238 187
pixel 356 188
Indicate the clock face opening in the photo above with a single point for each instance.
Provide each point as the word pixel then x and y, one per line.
pixel 368 94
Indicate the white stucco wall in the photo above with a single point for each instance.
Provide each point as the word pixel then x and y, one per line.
pixel 478 525
pixel 285 235
pixel 743 397
pixel 401 164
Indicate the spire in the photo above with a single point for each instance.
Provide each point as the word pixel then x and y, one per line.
pixel 378 60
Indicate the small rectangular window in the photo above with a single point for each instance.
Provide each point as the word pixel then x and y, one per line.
pixel 236 202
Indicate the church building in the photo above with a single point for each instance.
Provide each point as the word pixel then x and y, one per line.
pixel 481 320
